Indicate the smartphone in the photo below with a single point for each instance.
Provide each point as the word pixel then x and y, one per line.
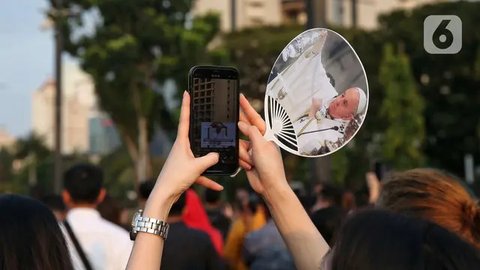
pixel 214 111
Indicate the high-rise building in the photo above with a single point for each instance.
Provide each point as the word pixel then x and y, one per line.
pixel 74 119
pixel 240 14
pixel 78 106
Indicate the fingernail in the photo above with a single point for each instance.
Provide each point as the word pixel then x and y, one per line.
pixel 242 125
pixel 185 93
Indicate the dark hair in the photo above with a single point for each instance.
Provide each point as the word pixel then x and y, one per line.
pixel 146 188
pixel 436 196
pixel 328 221
pixel 374 239
pixel 83 182
pixel 30 237
pixel 54 202
pixel 110 210
pixel 179 205
pixel 331 193
pixel 211 196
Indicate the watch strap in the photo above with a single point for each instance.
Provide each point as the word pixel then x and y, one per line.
pixel 149 225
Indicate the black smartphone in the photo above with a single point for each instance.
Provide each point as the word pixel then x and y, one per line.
pixel 214 110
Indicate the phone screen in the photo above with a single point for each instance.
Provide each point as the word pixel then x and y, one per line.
pixel 214 116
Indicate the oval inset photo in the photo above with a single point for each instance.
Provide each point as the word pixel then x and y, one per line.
pixel 317 94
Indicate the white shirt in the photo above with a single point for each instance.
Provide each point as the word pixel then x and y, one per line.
pixel 106 245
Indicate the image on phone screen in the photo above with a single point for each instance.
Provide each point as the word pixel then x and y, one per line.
pixel 214 116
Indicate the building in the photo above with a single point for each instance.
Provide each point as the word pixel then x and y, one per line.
pixel 103 137
pixel 6 139
pixel 79 106
pixel 360 13
pixel 246 13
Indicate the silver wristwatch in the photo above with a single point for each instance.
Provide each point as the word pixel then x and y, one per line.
pixel 148 225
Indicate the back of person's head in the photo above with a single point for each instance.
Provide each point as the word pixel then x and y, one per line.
pixel 378 239
pixel 30 237
pixel 328 221
pixel 178 206
pixel 331 194
pixel 211 196
pixel 146 188
pixel 435 196
pixel 84 183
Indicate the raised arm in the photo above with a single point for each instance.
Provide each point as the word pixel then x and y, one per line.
pixel 179 172
pixel 266 175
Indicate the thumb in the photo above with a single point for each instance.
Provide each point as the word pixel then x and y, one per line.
pixel 207 161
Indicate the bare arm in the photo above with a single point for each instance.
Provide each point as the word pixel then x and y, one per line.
pixel 179 172
pixel 306 244
pixel 267 177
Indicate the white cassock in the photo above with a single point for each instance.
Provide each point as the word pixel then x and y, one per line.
pixel 295 87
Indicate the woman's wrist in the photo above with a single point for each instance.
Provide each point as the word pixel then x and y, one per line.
pixel 276 193
pixel 159 203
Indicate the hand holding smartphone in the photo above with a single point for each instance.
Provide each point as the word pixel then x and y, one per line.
pixel 214 112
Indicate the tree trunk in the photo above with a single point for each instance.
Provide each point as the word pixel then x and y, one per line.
pixel 143 165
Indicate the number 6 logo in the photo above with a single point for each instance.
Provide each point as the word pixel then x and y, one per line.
pixel 442 34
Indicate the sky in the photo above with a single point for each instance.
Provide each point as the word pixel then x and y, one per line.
pixel 26 61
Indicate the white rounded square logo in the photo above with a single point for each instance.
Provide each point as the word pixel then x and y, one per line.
pixel 442 34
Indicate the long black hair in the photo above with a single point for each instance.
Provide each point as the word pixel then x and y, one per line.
pixel 30 237
pixel 377 239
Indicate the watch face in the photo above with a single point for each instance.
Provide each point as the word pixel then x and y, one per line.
pixel 135 218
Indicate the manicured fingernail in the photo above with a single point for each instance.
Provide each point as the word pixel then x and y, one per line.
pixel 241 124
pixel 185 93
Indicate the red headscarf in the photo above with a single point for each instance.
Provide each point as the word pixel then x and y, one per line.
pixel 196 217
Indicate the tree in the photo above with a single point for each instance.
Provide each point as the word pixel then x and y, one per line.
pixel 402 109
pixel 447 82
pixel 31 150
pixel 130 51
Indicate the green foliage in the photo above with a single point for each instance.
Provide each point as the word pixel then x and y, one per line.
pixel 253 51
pixel 450 85
pixel 133 47
pixel 118 174
pixel 402 109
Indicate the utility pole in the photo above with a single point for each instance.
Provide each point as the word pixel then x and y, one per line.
pixel 233 14
pixel 58 96
pixel 354 13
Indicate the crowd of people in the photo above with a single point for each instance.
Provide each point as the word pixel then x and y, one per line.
pixel 417 219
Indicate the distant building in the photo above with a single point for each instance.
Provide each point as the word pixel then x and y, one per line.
pixel 361 13
pixel 247 13
pixel 79 106
pixel 6 139
pixel 103 138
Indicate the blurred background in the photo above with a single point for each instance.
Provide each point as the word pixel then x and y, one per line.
pixel 107 76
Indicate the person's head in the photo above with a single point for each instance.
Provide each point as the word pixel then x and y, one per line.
pixel 211 196
pixel 374 239
pixel 30 237
pixel 330 195
pixel 435 196
pixel 328 221
pixel 348 104
pixel 55 203
pixel 83 186
pixel 178 207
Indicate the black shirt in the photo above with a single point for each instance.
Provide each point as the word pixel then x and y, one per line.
pixel 189 249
